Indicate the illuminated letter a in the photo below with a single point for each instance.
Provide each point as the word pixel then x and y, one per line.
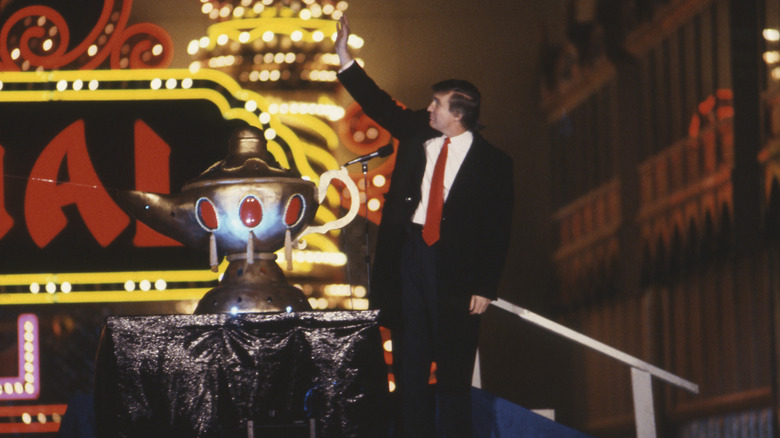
pixel 152 174
pixel 45 197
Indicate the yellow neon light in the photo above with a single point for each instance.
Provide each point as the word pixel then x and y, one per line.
pixel 300 152
pixel 333 196
pixel 102 297
pixel 313 123
pixel 277 25
pixel 222 79
pixel 109 277
pixel 137 277
pixel 321 242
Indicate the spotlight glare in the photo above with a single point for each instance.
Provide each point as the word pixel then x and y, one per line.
pixel 771 57
pixel 193 47
pixel 379 180
pixel 355 41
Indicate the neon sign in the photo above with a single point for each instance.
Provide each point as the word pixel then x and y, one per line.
pixel 57 177
pixel 26 384
pixel 56 173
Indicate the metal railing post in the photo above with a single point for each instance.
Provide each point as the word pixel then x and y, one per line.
pixel 644 409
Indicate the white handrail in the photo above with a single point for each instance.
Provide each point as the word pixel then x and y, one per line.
pixel 640 370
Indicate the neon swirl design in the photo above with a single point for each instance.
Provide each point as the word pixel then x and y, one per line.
pixel 36 37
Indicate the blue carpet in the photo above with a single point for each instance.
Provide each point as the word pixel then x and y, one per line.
pixel 494 417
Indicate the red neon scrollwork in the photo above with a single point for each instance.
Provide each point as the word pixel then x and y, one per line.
pixel 38 37
pixel 6 221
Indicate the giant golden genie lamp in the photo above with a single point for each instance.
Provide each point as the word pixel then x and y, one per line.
pixel 244 207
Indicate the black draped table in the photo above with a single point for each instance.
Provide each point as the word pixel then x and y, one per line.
pixel 225 375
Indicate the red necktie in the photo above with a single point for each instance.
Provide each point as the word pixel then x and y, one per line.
pixel 430 231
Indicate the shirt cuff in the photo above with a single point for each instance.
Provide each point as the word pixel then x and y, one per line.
pixel 346 66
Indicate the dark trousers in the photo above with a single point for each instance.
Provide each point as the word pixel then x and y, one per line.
pixel 435 327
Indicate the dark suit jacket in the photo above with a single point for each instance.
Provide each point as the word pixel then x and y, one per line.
pixel 476 217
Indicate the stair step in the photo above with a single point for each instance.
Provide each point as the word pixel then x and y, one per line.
pixel 495 417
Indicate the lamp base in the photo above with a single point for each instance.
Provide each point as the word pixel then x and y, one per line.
pixel 255 287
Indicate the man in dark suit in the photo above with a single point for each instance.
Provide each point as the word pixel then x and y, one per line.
pixel 441 244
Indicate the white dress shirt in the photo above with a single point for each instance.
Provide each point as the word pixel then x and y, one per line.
pixel 456 153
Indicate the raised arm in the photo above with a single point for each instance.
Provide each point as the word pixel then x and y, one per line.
pixel 376 103
pixel 342 38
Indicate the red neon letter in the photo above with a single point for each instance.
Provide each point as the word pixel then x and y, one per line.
pixel 45 197
pixel 152 174
pixel 6 221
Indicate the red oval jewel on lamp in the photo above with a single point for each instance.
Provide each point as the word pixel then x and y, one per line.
pixel 294 210
pixel 251 211
pixel 207 215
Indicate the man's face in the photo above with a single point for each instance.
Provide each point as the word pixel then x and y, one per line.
pixel 441 119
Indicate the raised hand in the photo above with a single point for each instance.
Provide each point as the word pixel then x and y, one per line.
pixel 342 38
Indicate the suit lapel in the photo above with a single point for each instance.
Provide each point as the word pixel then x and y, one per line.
pixel 418 171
